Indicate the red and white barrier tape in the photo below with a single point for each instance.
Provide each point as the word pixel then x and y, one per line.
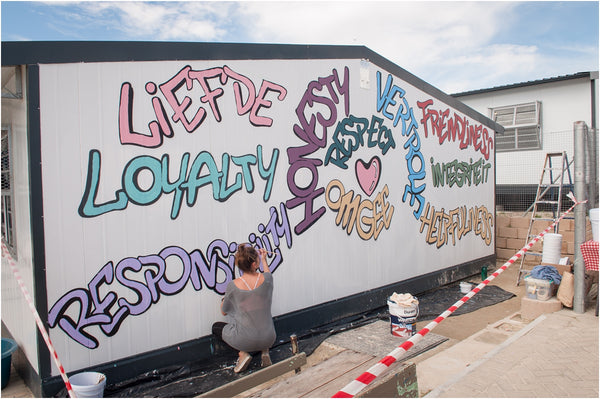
pixel 37 318
pixel 368 376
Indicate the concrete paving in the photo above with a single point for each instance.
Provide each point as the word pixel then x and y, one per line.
pixel 492 352
pixel 555 355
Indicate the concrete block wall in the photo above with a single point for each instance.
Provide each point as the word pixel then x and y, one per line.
pixel 511 236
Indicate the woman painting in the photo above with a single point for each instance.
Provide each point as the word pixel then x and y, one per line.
pixel 247 305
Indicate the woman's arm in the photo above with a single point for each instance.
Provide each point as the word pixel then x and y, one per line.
pixel 263 258
pixel 222 312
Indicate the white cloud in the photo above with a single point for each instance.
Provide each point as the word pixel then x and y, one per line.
pixel 425 38
pixel 455 46
pixel 183 21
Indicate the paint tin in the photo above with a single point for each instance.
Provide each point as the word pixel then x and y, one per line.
pixel 465 287
pixel 403 319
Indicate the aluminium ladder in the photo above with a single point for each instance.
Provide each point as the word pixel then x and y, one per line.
pixel 549 194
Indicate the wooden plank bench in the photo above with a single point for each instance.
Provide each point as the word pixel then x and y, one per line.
pixel 261 376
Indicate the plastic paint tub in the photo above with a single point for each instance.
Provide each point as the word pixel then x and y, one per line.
pixel 8 347
pixel 88 384
pixel 552 248
pixel 594 221
pixel 403 319
pixel 465 288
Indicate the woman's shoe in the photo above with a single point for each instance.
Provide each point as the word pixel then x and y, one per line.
pixel 265 359
pixel 242 363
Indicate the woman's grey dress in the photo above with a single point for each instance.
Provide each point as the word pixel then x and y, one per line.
pixel 249 322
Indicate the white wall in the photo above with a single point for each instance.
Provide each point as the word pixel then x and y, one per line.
pixel 322 260
pixel 563 103
pixel 15 312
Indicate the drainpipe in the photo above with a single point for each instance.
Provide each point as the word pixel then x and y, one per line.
pixel 579 134
pixel 592 147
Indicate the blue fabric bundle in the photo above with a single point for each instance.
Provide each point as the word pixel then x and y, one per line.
pixel 543 272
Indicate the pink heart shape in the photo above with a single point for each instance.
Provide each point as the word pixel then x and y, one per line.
pixel 368 174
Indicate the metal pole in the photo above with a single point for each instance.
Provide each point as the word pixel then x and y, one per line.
pixel 579 129
pixel 593 165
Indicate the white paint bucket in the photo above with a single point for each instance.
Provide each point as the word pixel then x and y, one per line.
pixel 552 248
pixel 403 319
pixel 465 288
pixel 88 384
pixel 594 221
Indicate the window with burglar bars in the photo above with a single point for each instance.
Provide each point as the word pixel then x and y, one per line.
pixel 522 127
pixel 8 231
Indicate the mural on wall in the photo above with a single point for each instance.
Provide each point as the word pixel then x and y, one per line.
pixel 327 135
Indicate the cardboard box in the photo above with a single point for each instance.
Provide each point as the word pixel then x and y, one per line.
pixel 561 268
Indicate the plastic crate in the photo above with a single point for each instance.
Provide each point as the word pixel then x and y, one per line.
pixel 539 289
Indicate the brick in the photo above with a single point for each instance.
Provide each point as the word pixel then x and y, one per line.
pixel 532 308
pixel 504 254
pixel 508 232
pixel 521 222
pixel 502 221
pixel 501 242
pixel 514 243
pixel 568 236
pixel 522 234
pixel 566 225
pixel 569 250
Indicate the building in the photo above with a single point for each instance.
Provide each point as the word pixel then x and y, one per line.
pixel 131 171
pixel 538 117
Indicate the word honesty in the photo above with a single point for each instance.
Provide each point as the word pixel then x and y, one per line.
pixel 189 182
pixel 160 127
pixel 321 94
pixel 456 223
pixel 107 300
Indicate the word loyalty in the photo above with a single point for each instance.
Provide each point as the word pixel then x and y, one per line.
pixel 202 172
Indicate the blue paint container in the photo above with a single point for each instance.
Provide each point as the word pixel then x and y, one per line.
pixel 8 347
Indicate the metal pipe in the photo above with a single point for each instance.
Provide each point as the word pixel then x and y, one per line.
pixel 579 130
pixel 593 149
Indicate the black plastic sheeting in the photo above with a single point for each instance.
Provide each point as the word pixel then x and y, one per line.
pixel 195 378
pixel 433 303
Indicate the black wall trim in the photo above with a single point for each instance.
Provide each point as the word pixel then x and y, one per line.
pixel 285 325
pixel 19 53
pixel 37 211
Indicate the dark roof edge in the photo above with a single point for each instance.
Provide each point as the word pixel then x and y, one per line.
pixel 23 53
pixel 27 53
pixel 578 75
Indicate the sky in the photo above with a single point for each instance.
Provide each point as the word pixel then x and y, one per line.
pixel 455 46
